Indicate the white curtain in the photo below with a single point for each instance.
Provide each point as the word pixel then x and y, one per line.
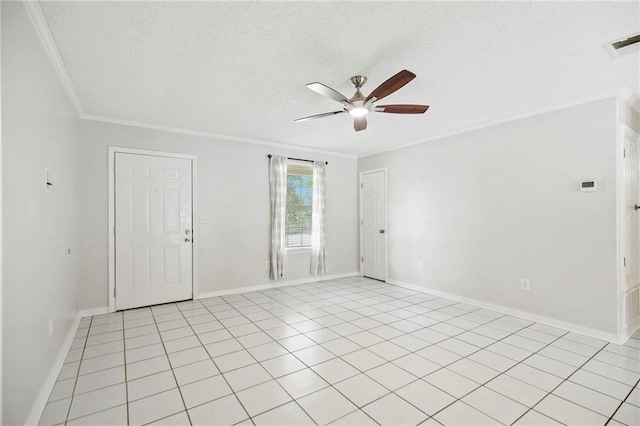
pixel 318 237
pixel 278 195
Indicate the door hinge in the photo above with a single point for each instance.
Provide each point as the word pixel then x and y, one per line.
pixel 114 231
pixel 114 291
pixel 624 153
pixel 362 259
pixel 624 262
pixel 361 185
pixel 361 222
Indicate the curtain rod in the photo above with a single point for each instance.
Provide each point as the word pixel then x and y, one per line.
pixel 299 159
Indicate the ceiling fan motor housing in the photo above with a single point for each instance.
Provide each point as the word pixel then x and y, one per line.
pixel 358 81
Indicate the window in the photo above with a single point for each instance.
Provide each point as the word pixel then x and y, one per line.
pixel 299 205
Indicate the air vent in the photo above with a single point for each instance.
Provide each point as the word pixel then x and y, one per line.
pixel 625 45
pixel 626 42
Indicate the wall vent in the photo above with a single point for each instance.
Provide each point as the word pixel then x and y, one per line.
pixel 624 45
pixel 631 304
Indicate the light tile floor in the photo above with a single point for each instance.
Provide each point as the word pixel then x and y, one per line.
pixel 346 352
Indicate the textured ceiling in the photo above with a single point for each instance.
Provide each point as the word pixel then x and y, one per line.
pixel 240 68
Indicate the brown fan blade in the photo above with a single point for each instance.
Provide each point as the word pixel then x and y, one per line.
pixel 326 114
pixel 391 85
pixel 404 109
pixel 328 92
pixel 360 123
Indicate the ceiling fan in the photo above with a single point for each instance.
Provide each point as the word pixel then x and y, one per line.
pixel 358 106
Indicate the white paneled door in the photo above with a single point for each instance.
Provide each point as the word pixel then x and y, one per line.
pixel 632 212
pixel 153 230
pixel 373 224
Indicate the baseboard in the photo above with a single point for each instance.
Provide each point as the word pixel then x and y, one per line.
pixel 105 309
pixel 274 284
pixel 93 311
pixel 47 387
pixel 590 332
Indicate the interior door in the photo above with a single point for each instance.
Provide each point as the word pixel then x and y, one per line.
pixel 632 237
pixel 374 224
pixel 153 230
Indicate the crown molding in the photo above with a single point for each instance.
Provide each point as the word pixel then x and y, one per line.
pixel 40 24
pixel 611 94
pixel 49 44
pixel 150 126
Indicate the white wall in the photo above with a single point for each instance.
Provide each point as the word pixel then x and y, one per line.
pixel 232 190
pixel 485 208
pixel 40 129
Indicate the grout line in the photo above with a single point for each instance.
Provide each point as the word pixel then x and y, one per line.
pixel 290 303
pixel 126 381
pixel 293 372
pixel 636 359
pixel 485 348
pixel 329 385
pixel 389 340
pixel 618 366
pixel 484 384
pixel 560 384
pixel 215 364
pixel 95 412
pixel 300 334
pixel 622 403
pixel 86 339
pixel 100 388
pixel 166 354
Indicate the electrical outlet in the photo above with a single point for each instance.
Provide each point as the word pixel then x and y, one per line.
pixel 50 327
pixel 204 220
pixel 525 284
pixel 421 266
pixel 267 265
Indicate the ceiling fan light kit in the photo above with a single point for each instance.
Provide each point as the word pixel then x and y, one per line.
pixel 358 111
pixel 358 106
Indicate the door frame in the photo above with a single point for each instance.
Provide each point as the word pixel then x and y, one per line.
pixel 113 150
pixel 622 131
pixel 386 218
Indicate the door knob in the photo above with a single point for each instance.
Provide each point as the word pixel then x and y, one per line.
pixel 636 207
pixel 381 231
pixel 187 240
pixel 188 231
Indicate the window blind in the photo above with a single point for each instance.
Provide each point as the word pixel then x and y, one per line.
pixel 299 205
